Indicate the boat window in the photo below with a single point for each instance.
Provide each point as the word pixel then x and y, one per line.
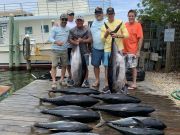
pixel 45 28
pixel 28 30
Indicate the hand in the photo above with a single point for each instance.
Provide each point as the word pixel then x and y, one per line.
pixel 80 40
pixel 59 43
pixel 108 31
pixel 76 42
pixel 114 35
pixel 138 54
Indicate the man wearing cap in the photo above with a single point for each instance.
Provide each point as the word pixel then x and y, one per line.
pixel 83 38
pixel 71 24
pixel 106 37
pixel 59 38
pixel 98 46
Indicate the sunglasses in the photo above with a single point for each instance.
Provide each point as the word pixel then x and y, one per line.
pixel 71 14
pixel 64 19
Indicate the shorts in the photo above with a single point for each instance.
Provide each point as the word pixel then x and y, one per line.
pixel 131 61
pixel 106 58
pixel 59 56
pixel 69 56
pixel 97 57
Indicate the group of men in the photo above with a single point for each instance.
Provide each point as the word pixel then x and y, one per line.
pixel 71 33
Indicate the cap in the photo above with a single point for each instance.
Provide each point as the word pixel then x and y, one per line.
pixel 63 16
pixel 70 12
pixel 98 10
pixel 110 10
pixel 80 17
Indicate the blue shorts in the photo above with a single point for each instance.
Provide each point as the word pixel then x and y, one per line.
pixel 106 58
pixel 97 57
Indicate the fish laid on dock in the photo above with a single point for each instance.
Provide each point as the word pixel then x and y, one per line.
pixel 74 133
pixel 78 91
pixel 80 100
pixel 117 98
pixel 125 110
pixel 82 115
pixel 64 126
pixel 147 122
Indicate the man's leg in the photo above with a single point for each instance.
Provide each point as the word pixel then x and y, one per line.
pixel 53 74
pixel 96 73
pixel 69 64
pixel 106 76
pixel 134 75
pixel 63 72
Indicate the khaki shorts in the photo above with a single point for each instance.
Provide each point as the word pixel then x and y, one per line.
pixel 59 56
pixel 131 61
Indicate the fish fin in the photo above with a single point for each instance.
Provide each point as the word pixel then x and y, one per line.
pixel 102 121
pixel 139 123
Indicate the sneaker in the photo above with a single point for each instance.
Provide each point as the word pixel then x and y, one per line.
pixel 86 84
pixel 70 82
pixel 62 83
pixel 106 90
pixel 54 86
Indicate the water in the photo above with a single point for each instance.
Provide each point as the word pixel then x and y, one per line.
pixel 17 79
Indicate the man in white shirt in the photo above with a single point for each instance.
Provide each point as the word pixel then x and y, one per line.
pixel 71 24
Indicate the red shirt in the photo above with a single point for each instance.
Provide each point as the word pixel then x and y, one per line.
pixel 135 33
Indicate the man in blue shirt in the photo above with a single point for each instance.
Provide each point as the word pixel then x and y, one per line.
pixel 98 47
pixel 59 38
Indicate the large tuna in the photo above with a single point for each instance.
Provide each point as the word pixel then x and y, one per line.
pixel 74 133
pixel 64 126
pixel 116 98
pixel 125 110
pixel 148 122
pixel 78 91
pixel 80 100
pixel 82 115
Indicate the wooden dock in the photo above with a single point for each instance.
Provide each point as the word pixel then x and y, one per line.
pixel 21 110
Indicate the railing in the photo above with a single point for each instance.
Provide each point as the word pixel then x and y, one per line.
pixel 52 8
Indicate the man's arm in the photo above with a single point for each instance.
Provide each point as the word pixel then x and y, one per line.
pixel 52 38
pixel 140 41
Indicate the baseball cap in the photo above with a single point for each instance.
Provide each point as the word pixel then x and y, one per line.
pixel 70 12
pixel 79 17
pixel 110 10
pixel 98 10
pixel 63 16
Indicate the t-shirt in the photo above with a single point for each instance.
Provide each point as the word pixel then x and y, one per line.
pixel 81 33
pixel 135 33
pixel 70 25
pixel 112 26
pixel 59 33
pixel 96 30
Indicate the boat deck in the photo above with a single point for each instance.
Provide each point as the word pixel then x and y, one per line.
pixel 21 110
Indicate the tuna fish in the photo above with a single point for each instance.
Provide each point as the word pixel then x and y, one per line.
pixel 74 133
pixel 82 115
pixel 137 131
pixel 147 122
pixel 80 100
pixel 64 126
pixel 125 110
pixel 116 98
pixel 116 66
pixel 78 91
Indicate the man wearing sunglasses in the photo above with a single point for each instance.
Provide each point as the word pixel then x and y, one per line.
pixel 106 37
pixel 71 24
pixel 98 46
pixel 81 35
pixel 59 38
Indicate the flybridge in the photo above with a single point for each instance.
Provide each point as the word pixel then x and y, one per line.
pixel 52 7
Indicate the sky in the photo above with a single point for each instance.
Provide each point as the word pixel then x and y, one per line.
pixel 121 6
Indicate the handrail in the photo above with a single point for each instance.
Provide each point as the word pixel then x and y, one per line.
pixel 52 8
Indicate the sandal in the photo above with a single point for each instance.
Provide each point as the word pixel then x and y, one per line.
pixel 54 86
pixel 95 84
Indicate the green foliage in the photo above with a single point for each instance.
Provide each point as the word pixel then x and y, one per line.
pixel 161 11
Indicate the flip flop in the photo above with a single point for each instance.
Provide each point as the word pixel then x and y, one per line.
pixel 132 88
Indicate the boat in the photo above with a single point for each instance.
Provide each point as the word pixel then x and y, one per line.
pixel 35 19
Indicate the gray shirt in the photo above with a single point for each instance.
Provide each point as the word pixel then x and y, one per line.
pixel 85 33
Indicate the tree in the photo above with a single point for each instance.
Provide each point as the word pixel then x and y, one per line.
pixel 161 11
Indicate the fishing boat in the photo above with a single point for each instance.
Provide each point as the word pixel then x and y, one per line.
pixel 35 19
